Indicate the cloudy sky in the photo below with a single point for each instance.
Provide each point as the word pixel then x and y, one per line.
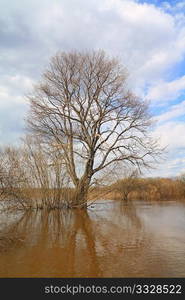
pixel 148 37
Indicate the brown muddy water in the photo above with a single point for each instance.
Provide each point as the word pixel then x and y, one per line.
pixel 110 240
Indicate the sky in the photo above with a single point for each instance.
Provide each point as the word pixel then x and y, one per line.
pixel 147 36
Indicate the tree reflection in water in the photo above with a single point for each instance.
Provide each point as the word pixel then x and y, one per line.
pixel 109 241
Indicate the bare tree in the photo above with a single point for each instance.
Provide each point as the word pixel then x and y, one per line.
pixel 46 172
pixel 128 184
pixel 83 108
pixel 32 176
pixel 12 177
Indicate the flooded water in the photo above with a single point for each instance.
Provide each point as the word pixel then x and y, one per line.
pixel 111 239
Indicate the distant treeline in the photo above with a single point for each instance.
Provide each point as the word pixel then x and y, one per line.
pixel 149 189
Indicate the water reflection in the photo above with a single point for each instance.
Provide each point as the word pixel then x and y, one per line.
pixel 109 240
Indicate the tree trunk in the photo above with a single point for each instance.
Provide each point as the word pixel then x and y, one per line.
pixel 81 191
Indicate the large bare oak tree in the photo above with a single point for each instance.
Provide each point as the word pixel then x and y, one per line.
pixel 82 107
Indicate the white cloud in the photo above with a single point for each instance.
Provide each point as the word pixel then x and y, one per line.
pixel 166 91
pixel 170 167
pixel 175 111
pixel 149 40
pixel 171 134
pixel 13 89
pixel 3 93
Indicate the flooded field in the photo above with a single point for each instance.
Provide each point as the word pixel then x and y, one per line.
pixel 111 239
